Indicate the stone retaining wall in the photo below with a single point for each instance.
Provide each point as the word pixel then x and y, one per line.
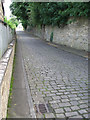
pixel 6 64
pixel 6 35
pixel 74 35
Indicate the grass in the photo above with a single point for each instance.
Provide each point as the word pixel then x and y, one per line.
pixel 12 80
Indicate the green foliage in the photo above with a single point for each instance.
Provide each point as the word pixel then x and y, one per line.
pixel 12 80
pixel 49 13
pixel 20 10
pixel 13 22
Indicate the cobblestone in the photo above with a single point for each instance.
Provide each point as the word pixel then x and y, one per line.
pixel 60 110
pixel 70 114
pixel 48 98
pixel 56 97
pixel 51 95
pixel 54 91
pixel 82 111
pixel 72 95
pixel 64 104
pixel 49 115
pixel 67 109
pixel 64 100
pixel 83 101
pixel 59 93
pixel 86 115
pixel 55 105
pixel 83 106
pixel 74 103
pixel 54 101
pixel 59 78
pixel 77 117
pixel 75 108
pixel 60 115
pixel 64 96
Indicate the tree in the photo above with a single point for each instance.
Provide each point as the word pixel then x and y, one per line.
pixel 19 9
pixel 49 13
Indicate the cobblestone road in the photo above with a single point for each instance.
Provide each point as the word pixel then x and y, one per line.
pixel 58 80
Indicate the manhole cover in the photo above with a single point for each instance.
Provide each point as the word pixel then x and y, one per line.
pixel 41 108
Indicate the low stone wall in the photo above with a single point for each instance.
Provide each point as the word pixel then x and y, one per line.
pixel 73 35
pixel 6 63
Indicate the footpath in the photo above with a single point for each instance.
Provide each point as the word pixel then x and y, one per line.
pixel 19 107
pixel 82 53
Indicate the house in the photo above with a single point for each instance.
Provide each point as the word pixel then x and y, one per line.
pixel 1 11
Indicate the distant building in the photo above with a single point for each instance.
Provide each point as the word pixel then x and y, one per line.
pixel 19 27
pixel 1 11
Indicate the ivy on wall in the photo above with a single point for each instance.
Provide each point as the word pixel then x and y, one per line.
pixel 49 13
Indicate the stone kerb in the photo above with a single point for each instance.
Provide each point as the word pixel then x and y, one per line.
pixel 6 64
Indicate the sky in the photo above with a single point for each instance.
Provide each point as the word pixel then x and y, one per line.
pixel 7 9
pixel 8 12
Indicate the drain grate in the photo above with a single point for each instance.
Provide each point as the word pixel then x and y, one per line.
pixel 41 108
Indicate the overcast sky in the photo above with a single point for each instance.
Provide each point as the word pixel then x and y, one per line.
pixel 7 9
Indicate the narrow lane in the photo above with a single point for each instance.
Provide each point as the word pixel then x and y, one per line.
pixel 57 79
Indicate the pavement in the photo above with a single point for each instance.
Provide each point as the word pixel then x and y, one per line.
pixel 19 107
pixel 49 82
pixel 81 53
